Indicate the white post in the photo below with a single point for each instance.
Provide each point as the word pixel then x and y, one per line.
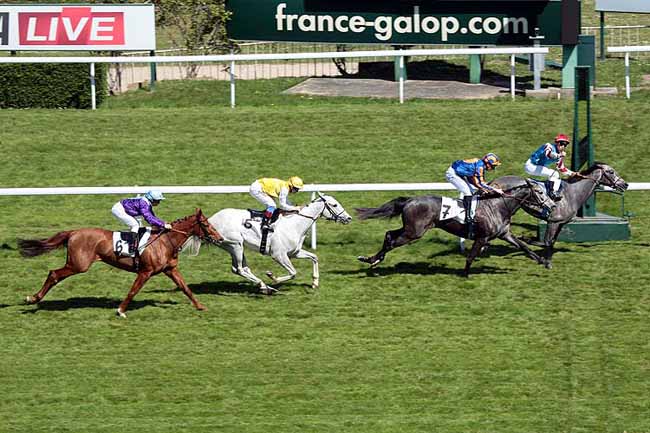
pixel 627 75
pixel 401 79
pixel 512 76
pixel 232 84
pixel 93 96
pixel 313 227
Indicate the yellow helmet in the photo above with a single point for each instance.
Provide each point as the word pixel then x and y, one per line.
pixel 296 182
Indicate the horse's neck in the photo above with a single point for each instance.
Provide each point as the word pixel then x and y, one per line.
pixel 308 215
pixel 581 190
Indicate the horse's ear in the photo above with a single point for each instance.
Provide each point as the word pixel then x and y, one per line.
pixel 198 211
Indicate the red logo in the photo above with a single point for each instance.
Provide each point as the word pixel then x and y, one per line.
pixel 71 26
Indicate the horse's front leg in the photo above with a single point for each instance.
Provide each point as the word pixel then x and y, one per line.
pixel 239 267
pixel 178 279
pixel 550 237
pixel 283 260
pixel 140 280
pixel 513 240
pixel 392 239
pixel 479 243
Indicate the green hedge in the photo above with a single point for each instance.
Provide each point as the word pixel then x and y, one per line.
pixel 50 85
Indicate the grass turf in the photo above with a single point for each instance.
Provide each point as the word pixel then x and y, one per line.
pixel 410 346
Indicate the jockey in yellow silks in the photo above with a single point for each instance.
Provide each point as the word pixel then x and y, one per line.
pixel 267 189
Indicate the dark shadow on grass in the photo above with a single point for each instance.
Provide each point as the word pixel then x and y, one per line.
pixel 104 303
pixel 228 287
pixel 4 305
pixel 420 268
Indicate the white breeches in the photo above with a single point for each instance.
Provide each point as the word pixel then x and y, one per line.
pixel 465 188
pixel 119 213
pixel 261 196
pixel 459 183
pixel 540 170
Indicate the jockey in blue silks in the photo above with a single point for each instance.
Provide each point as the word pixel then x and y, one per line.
pixel 468 177
pixel 548 154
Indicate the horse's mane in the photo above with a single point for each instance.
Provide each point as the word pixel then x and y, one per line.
pixel 594 166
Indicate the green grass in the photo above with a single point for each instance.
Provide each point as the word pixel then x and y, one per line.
pixel 410 347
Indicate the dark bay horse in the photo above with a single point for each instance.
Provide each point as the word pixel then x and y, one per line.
pixel 575 193
pixel 492 219
pixel 85 246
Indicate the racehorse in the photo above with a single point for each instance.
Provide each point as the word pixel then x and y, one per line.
pixel 239 229
pixel 575 193
pixel 492 219
pixel 87 245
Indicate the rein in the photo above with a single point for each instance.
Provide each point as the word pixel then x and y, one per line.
pixel 162 232
pixel 335 217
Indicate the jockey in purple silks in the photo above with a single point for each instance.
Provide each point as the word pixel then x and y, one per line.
pixel 128 209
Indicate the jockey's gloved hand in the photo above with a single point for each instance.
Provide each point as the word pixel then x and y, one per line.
pixel 168 226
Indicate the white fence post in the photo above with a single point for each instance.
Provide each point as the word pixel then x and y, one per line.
pixel 627 75
pixel 313 227
pixel 401 79
pixel 232 83
pixel 93 89
pixel 512 76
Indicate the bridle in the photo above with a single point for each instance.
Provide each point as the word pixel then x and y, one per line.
pixel 206 233
pixel 336 217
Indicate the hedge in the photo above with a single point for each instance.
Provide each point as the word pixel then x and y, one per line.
pixel 50 85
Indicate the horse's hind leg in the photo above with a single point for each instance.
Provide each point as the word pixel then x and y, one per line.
pixel 394 239
pixel 76 263
pixel 54 277
pixel 239 267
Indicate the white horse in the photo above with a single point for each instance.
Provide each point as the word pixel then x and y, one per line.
pixel 284 242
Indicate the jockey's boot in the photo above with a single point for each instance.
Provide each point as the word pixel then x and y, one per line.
pixel 469 220
pixel 133 247
pixel 266 221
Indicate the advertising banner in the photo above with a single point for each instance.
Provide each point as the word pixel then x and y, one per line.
pixel 398 22
pixel 79 28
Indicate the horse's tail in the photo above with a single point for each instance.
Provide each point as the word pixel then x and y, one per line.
pixel 386 210
pixel 36 247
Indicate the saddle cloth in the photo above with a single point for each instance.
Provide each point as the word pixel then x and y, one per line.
pixel 452 208
pixel 121 242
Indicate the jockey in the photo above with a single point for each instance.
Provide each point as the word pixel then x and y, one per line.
pixel 546 155
pixel 467 176
pixel 267 189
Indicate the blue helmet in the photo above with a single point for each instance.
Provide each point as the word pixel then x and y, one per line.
pixel 154 195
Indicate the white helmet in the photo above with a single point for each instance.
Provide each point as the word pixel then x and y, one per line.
pixel 154 195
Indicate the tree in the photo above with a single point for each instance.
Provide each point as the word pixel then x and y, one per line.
pixel 199 26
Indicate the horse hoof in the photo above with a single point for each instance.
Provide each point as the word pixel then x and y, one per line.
pixel 201 307
pixel 268 290
pixel 548 265
pixel 118 313
pixel 315 285
pixel 363 259
pixel 29 300
pixel 269 274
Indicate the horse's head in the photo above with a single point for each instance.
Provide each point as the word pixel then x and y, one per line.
pixel 203 230
pixel 333 210
pixel 605 175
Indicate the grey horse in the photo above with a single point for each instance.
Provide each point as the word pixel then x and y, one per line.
pixel 575 193
pixel 493 216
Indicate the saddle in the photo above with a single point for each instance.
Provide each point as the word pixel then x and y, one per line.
pixel 259 214
pixel 545 196
pixel 124 242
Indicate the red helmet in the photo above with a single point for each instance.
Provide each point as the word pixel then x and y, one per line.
pixel 562 138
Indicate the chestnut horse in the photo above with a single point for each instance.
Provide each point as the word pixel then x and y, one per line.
pixel 85 246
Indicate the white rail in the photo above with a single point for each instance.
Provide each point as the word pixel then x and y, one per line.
pixel 627 50
pixel 232 58
pixel 313 188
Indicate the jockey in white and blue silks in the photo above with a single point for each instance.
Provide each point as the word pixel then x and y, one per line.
pixel 467 176
pixel 548 154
